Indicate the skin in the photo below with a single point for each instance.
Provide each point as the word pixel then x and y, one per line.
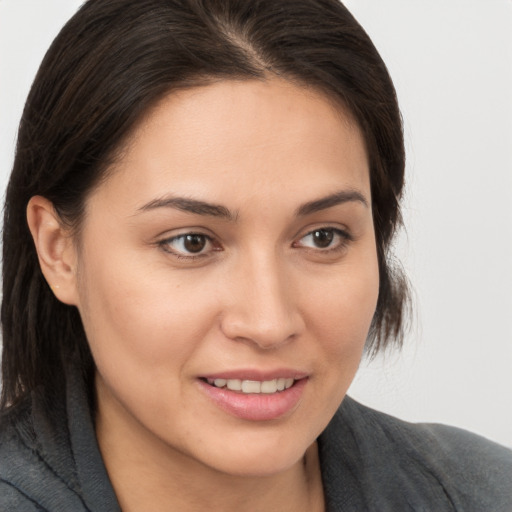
pixel 263 293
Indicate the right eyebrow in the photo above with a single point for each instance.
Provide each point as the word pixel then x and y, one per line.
pixel 191 206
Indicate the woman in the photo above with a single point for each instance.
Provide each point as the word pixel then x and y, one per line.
pixel 196 257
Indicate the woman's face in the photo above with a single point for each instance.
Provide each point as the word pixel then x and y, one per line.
pixel 230 253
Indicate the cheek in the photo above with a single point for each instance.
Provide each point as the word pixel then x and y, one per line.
pixel 347 302
pixel 143 330
pixel 141 318
pixel 341 312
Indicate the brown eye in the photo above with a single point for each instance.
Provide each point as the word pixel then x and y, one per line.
pixel 189 245
pixel 322 238
pixel 194 243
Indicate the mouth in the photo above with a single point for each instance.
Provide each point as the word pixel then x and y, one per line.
pixel 266 387
pixel 253 396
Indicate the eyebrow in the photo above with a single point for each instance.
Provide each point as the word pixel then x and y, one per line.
pixel 191 206
pixel 343 196
pixel 197 207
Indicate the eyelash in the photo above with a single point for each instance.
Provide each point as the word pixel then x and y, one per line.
pixel 165 245
pixel 344 239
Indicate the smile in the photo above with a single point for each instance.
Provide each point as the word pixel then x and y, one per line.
pixel 252 399
pixel 253 386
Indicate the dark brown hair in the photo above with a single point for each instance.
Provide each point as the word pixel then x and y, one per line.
pixel 114 60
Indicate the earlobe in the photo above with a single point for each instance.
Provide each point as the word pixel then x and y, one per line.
pixel 55 249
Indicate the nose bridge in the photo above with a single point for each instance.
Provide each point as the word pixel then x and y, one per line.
pixel 263 309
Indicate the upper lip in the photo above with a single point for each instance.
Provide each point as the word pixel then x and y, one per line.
pixel 256 374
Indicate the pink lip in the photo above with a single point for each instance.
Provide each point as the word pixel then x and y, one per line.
pixel 258 406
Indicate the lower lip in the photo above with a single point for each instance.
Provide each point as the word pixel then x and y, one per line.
pixel 257 406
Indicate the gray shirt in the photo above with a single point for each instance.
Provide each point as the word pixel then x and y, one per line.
pixel 50 461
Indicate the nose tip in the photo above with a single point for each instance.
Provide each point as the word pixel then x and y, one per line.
pixel 263 310
pixel 262 330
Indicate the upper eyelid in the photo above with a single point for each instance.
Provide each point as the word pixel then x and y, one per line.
pixel 187 233
pixel 342 231
pixel 165 236
pixel 183 231
pixel 169 235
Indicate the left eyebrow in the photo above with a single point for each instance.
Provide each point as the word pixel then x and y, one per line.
pixel 343 196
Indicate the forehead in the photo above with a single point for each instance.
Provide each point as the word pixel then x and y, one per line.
pixel 245 135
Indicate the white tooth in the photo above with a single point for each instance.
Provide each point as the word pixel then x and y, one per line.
pixel 234 384
pixel 288 383
pixel 269 386
pixel 220 383
pixel 280 384
pixel 251 386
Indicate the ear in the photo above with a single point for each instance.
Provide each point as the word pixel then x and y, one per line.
pixel 55 249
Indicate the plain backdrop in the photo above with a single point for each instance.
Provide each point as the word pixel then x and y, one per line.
pixel 451 61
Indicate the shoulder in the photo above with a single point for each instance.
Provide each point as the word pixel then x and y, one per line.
pixel 28 478
pixel 418 463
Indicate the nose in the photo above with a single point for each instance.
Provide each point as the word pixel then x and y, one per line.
pixel 262 308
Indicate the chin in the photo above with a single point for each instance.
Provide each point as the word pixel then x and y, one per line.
pixel 259 465
pixel 254 457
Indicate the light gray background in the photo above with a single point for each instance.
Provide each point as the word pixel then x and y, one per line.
pixel 451 61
